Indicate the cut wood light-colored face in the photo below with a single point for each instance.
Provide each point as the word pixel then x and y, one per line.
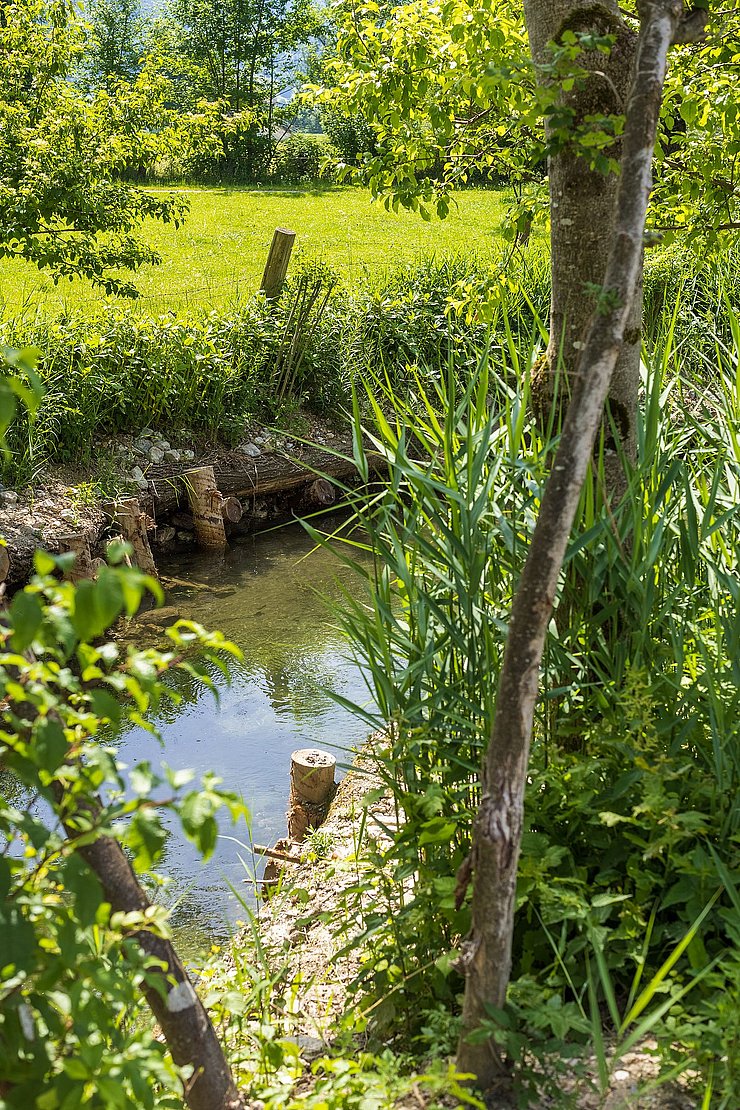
pixel 311 789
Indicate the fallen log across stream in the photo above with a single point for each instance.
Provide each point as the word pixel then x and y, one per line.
pixel 240 476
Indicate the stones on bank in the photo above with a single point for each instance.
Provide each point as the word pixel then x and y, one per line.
pixel 268 479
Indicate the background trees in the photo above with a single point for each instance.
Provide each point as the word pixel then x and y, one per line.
pixel 62 203
pixel 466 89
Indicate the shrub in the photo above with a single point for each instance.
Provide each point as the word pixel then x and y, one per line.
pixel 351 135
pixel 299 159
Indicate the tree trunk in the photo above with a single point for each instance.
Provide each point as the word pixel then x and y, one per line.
pixel 186 1026
pixel 486 952
pixel 582 207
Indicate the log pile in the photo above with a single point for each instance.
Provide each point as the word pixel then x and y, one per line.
pixel 243 478
pixel 175 506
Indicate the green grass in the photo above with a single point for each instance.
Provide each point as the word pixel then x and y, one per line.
pixel 224 242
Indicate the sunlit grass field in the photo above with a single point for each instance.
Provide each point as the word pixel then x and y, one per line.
pixel 222 247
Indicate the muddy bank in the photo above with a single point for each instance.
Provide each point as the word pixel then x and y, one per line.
pixel 267 479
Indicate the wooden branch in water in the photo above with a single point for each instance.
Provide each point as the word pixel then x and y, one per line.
pixel 275 853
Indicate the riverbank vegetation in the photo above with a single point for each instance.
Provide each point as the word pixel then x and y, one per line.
pixel 111 369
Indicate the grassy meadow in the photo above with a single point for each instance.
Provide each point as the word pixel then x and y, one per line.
pixel 223 244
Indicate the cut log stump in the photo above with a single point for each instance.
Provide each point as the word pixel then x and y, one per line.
pixel 232 510
pixel 134 524
pixel 79 544
pixel 206 505
pixel 311 790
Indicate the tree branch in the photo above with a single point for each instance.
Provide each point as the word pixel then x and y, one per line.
pixel 186 1026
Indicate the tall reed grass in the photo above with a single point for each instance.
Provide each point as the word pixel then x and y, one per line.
pixel 632 832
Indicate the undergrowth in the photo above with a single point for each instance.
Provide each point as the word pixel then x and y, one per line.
pixel 628 913
pixel 115 369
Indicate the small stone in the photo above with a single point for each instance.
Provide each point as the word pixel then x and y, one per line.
pixel 185 537
pixel 310 1047
pixel 156 455
pixel 260 441
pixel 69 515
pixel 147 432
pixel 250 449
pixel 187 454
pixel 171 456
pixel 137 475
pixel 164 535
pixel 621 1075
pixel 164 444
pixel 9 497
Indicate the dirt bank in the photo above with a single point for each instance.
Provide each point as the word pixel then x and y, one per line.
pixel 271 474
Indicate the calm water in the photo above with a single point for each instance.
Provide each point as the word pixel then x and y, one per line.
pixel 267 594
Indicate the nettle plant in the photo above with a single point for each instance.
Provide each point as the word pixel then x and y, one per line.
pixel 75 968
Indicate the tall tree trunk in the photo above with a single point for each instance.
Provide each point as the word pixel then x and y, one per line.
pixel 582 207
pixel 486 952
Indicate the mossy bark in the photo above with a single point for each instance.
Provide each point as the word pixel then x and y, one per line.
pixel 582 212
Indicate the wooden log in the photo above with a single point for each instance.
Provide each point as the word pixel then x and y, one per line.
pixel 311 790
pixel 264 477
pixel 276 266
pixel 205 503
pixel 232 510
pixel 275 853
pixel 79 544
pixel 134 524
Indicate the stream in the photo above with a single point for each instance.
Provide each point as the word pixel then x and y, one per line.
pixel 268 593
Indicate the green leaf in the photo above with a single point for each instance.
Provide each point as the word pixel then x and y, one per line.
pixel 26 615
pixel 50 745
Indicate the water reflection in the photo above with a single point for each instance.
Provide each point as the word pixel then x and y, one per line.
pixel 266 593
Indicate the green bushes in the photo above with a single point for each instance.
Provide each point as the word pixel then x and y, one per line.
pixel 75 968
pixel 630 851
pixel 299 159
pixel 117 369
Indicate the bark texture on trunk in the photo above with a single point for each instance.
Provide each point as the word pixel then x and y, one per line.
pixel 486 953
pixel 186 1026
pixel 582 207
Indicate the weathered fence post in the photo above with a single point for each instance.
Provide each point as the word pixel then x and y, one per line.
pixel 277 263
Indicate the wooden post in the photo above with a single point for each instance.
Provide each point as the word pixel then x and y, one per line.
pixel 311 790
pixel 4 562
pixel 277 263
pixel 79 544
pixel 133 524
pixel 205 503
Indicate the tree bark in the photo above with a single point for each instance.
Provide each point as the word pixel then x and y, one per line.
pixel 486 952
pixel 267 475
pixel 582 207
pixel 186 1026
